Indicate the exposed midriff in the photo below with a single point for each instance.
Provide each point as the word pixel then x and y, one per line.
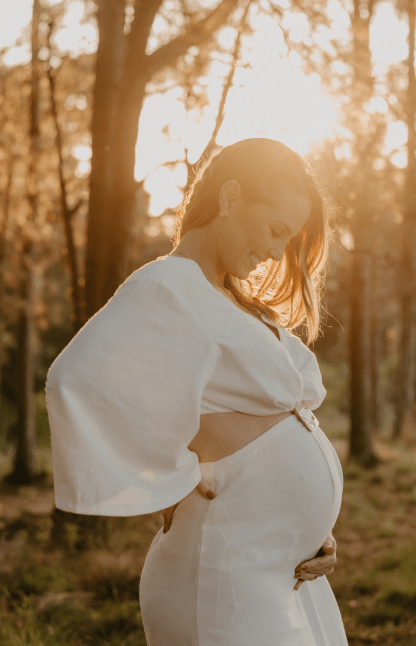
pixel 221 434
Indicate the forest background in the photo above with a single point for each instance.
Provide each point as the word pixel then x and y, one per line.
pixel 107 109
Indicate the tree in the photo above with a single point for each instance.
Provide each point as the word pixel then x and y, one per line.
pixel 24 469
pixel 68 212
pixel 363 187
pixel 123 70
pixel 405 418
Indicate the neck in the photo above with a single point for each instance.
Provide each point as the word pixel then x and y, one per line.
pixel 197 246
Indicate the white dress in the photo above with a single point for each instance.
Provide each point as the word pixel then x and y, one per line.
pixel 124 401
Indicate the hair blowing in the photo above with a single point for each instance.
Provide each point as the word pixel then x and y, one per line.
pixel 287 291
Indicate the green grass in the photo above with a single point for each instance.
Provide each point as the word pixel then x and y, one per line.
pixel 51 596
pixel 375 579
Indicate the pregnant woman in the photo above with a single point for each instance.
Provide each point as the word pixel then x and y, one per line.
pixel 188 393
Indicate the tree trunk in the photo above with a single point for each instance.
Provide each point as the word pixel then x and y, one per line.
pixel 110 16
pixel 3 235
pixel 24 469
pixel 78 304
pixel 375 349
pixel 405 418
pixel 361 447
pixel 122 73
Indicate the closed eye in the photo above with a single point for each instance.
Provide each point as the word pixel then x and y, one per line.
pixel 275 234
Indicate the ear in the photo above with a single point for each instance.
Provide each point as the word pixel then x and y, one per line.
pixel 230 194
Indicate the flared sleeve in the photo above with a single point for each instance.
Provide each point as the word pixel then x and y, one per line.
pixel 124 402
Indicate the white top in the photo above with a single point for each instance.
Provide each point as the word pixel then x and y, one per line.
pixel 125 396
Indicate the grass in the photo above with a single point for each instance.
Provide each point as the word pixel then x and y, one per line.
pixel 375 579
pixel 59 597
pixel 55 597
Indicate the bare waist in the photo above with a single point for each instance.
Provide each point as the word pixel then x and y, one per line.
pixel 221 434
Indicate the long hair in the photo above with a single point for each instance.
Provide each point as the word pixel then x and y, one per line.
pixel 287 291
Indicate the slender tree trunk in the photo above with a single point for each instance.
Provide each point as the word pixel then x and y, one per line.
pixel 405 419
pixel 3 236
pixel 24 469
pixel 361 447
pixel 361 444
pixel 375 350
pixel 78 303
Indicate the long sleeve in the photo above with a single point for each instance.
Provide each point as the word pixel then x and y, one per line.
pixel 124 402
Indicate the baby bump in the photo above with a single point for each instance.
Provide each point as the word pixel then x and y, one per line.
pixel 275 498
pixel 232 558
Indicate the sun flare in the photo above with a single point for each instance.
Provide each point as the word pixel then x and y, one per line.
pixel 271 95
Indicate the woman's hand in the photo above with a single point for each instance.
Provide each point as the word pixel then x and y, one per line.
pixel 318 566
pixel 203 487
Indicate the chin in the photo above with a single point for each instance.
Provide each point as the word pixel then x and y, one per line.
pixel 241 271
pixel 244 274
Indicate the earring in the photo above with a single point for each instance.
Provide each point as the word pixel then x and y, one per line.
pixel 223 214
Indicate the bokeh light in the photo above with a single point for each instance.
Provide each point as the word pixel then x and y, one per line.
pixel 271 96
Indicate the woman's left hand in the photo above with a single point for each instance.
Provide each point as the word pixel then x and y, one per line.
pixel 203 487
pixel 318 566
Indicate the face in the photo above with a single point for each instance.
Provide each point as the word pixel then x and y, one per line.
pixel 256 232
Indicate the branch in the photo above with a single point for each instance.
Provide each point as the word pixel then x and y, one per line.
pixel 228 84
pixel 144 15
pixel 196 34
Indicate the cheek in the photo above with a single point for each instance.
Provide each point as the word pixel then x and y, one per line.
pixel 238 238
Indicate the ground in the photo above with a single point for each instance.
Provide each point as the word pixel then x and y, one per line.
pixel 63 597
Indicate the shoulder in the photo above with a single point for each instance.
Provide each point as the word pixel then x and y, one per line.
pixel 167 273
pixel 169 290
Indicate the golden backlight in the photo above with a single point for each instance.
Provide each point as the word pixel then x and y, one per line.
pixel 271 95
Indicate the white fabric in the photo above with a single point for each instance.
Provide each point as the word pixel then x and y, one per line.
pixel 126 395
pixel 223 575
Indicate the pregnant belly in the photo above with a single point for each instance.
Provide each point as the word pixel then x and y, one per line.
pixel 275 501
pixel 226 566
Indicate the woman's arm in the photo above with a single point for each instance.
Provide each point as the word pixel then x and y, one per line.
pixel 203 487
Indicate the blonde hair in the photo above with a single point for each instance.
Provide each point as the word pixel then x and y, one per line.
pixel 287 291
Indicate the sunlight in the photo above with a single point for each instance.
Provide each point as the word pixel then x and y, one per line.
pixel 376 104
pixel 275 98
pixel 396 136
pixel 82 153
pixel 161 124
pixel 399 159
pixel 83 169
pixel 14 15
pixel 17 56
pixel 164 192
pixel 388 35
pixel 271 97
pixel 75 37
pixel 343 151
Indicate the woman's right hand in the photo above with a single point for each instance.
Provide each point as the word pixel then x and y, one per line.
pixel 204 489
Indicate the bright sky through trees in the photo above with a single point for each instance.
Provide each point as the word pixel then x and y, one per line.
pixel 274 98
